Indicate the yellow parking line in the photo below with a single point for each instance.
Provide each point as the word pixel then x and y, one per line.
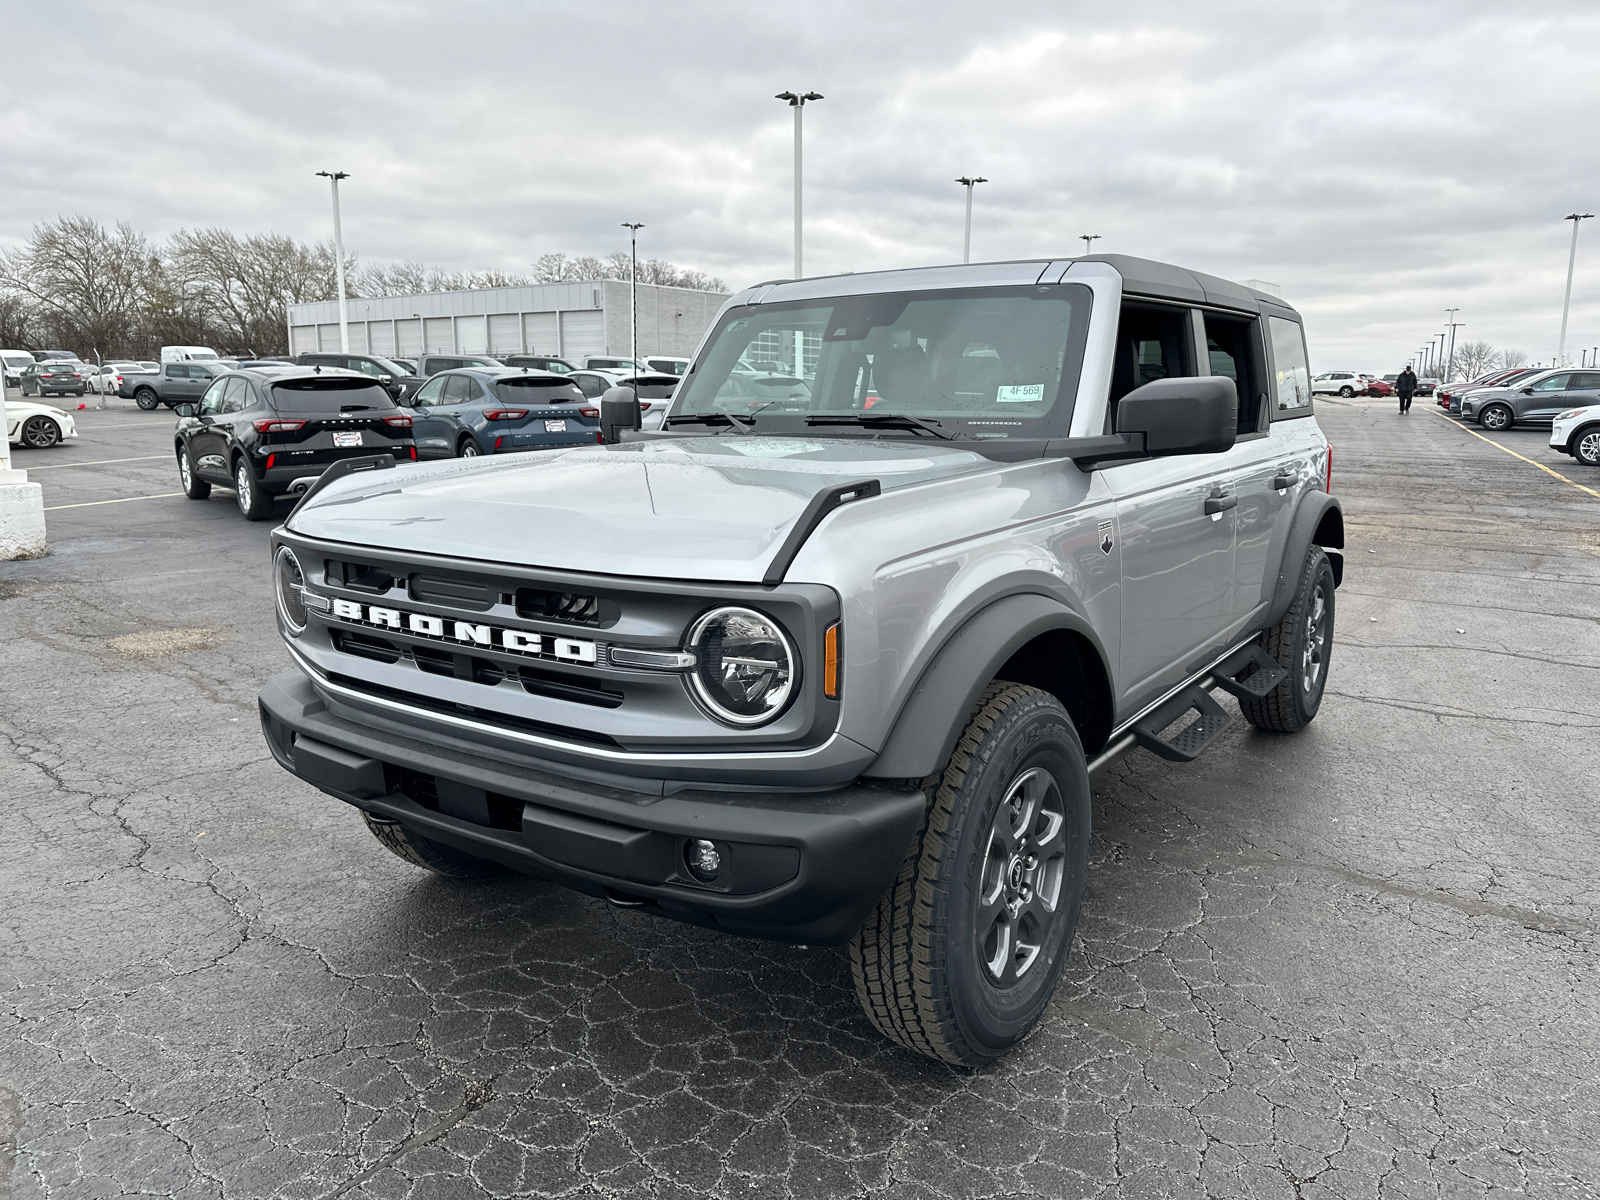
pixel 101 462
pixel 122 500
pixel 1524 458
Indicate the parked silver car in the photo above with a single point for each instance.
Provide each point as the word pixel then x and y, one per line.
pixel 1534 400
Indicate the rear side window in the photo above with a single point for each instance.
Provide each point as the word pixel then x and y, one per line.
pixel 1293 373
pixel 1586 381
pixel 340 394
pixel 536 391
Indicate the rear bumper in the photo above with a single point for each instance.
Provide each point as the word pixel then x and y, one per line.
pixel 800 867
pixel 282 480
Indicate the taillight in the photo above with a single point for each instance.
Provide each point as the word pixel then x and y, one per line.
pixel 271 458
pixel 590 412
pixel 277 425
pixel 400 422
pixel 644 406
pixel 1329 486
pixel 505 414
pixel 497 442
pixel 413 450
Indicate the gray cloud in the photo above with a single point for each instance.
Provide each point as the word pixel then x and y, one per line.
pixel 1379 160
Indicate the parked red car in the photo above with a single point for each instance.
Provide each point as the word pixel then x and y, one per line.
pixel 1377 387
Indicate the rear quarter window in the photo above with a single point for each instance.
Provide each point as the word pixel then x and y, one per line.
pixel 1292 374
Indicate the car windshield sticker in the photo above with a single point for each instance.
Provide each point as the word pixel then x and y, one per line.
pixel 1028 393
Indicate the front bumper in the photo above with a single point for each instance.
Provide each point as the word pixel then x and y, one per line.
pixel 798 866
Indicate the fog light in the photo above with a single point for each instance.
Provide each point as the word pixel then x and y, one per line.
pixel 703 859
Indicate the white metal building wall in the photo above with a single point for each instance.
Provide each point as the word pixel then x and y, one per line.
pixel 541 333
pixel 380 337
pixel 438 335
pixel 472 335
pixel 408 338
pixel 327 337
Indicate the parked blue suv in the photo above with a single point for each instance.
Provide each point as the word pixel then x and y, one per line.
pixel 499 410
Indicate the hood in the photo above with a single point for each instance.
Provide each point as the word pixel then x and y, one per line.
pixel 713 508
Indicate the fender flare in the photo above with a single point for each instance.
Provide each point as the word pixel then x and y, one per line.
pixel 924 734
pixel 1319 520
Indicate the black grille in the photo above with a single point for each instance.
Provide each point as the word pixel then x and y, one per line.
pixel 363 646
pixel 359 577
pixel 482 715
pixel 567 606
pixel 458 593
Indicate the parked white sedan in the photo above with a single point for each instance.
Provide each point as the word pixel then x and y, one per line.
pixel 108 378
pixel 1577 432
pixel 37 426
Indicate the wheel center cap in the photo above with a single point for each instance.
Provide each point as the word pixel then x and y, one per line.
pixel 1014 873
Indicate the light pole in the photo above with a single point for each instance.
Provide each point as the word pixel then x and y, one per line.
pixel 333 178
pixel 969 182
pixel 633 228
pixel 1089 239
pixel 798 103
pixel 1450 361
pixel 1572 258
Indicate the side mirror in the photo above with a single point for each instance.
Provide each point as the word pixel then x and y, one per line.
pixel 619 410
pixel 186 410
pixel 385 378
pixel 1186 415
pixel 1527 391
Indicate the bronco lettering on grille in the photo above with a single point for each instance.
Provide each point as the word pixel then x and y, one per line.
pixel 466 633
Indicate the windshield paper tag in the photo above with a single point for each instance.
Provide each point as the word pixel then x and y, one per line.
pixel 1027 393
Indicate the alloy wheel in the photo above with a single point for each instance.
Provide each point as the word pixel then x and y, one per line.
pixel 469 449
pixel 40 433
pixel 183 470
pixel 1588 448
pixel 1022 872
pixel 242 486
pixel 1316 644
pixel 1495 417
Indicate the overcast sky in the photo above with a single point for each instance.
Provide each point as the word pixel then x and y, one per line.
pixel 1380 161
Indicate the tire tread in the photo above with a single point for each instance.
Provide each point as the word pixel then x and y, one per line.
pixel 1278 710
pixel 426 853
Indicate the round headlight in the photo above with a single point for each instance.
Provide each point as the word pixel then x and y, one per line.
pixel 746 671
pixel 291 589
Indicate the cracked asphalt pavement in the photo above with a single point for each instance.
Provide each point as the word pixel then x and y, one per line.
pixel 1356 962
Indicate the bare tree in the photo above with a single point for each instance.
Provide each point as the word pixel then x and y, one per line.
pixel 552 268
pixel 88 282
pixel 19 321
pixel 1511 359
pixel 1474 358
pixel 588 267
pixel 244 284
pixel 396 279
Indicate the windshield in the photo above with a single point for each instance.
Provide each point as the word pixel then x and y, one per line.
pixel 329 395
pixel 976 362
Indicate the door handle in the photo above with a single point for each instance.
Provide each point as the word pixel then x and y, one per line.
pixel 1220 504
pixel 1284 481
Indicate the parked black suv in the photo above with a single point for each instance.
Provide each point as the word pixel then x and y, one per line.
pixel 268 433
pixel 400 382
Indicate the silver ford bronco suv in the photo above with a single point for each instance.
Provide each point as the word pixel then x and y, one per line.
pixel 833 656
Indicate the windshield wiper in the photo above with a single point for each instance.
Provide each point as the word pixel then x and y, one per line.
pixel 742 424
pixel 880 421
pixel 357 407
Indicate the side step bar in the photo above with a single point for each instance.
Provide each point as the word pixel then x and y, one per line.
pixel 1260 675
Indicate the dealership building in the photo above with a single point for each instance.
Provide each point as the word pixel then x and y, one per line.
pixel 568 320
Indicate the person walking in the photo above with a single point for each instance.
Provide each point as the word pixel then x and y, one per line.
pixel 1405 386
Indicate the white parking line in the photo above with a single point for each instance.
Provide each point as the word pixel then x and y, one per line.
pixel 121 500
pixel 101 462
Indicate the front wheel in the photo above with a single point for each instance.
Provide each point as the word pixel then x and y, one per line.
pixel 40 433
pixel 1347 392
pixel 193 486
pixel 254 503
pixel 1495 417
pixel 427 853
pixel 960 958
pixel 1586 446
pixel 1302 643
pixel 147 400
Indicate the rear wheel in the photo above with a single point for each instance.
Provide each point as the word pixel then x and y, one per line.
pixel 254 503
pixel 1586 446
pixel 146 399
pixel 1347 391
pixel 467 447
pixel 193 486
pixel 1496 416
pixel 961 956
pixel 40 433
pixel 1302 644
pixel 427 853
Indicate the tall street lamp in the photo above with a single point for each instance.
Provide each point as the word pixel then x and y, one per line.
pixel 1450 359
pixel 1089 239
pixel 1572 257
pixel 633 228
pixel 969 182
pixel 798 103
pixel 333 178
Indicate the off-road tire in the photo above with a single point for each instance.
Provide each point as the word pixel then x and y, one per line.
pixel 427 853
pixel 254 503
pixel 147 400
pixel 193 486
pixel 918 960
pixel 1496 417
pixel 1291 706
pixel 39 432
pixel 1586 445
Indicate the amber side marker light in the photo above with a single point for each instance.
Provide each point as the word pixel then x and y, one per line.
pixel 830 663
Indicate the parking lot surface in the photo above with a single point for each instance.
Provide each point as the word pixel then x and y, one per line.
pixel 1360 961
